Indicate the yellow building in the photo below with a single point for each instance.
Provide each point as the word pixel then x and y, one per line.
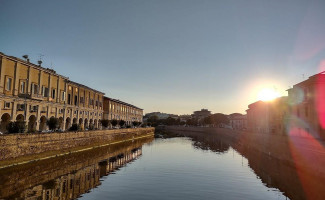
pixel 119 110
pixel 32 93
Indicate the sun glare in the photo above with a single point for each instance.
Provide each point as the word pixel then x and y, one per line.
pixel 267 94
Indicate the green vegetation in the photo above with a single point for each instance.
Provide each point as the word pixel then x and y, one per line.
pixel 114 122
pixel 105 123
pixel 53 123
pixel 75 127
pixel 16 127
pixel 121 123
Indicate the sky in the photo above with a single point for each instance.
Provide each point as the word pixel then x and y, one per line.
pixel 172 56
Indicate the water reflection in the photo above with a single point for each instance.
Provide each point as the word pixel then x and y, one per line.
pixel 274 173
pixel 69 176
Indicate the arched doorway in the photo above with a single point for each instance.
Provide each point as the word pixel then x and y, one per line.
pixel 21 123
pixel 20 118
pixel 42 125
pixel 100 124
pixel 81 124
pixel 61 123
pixel 86 124
pixel 95 124
pixel 91 125
pixel 5 119
pixel 74 121
pixel 67 123
pixel 32 124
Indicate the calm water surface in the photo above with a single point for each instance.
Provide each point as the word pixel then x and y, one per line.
pixel 180 168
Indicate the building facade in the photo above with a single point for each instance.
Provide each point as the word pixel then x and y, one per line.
pixel 238 121
pixel 34 94
pixel 119 110
pixel 307 105
pixel 268 117
pixel 201 114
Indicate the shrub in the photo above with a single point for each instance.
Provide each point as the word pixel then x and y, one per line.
pixel 121 123
pixel 16 127
pixel 74 127
pixel 53 123
pixel 105 123
pixel 114 122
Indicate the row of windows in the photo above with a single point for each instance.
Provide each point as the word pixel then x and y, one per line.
pixel 45 92
pixel 123 109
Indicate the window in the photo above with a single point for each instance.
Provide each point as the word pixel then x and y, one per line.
pixel 22 87
pixel 53 93
pixel 69 98
pixel 82 100
pixel 61 111
pixel 7 105
pixel 32 108
pixel 45 91
pixel 306 111
pixel 62 95
pixel 34 88
pixel 75 100
pixel 9 84
pixel 20 107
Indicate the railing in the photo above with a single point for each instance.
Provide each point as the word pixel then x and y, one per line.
pixel 32 96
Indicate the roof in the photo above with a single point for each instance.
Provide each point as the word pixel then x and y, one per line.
pixel 121 102
pixel 51 71
pixel 81 85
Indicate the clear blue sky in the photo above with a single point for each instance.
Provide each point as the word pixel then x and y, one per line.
pixel 173 56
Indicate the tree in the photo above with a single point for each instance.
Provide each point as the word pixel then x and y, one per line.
pixel 192 122
pixel 219 118
pixel 75 127
pixel 53 123
pixel 170 121
pixel 105 123
pixel 121 123
pixel 16 127
pixel 153 120
pixel 134 123
pixel 114 122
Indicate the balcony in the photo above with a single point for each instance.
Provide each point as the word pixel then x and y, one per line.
pixel 33 96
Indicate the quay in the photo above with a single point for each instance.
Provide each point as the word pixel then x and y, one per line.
pixel 23 148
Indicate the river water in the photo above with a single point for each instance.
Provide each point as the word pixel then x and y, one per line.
pixel 174 168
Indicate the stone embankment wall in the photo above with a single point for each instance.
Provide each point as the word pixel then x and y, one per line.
pixel 17 145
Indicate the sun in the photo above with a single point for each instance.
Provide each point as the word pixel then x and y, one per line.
pixel 267 94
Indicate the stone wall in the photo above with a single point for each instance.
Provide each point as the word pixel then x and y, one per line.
pixel 16 145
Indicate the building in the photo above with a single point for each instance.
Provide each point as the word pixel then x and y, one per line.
pixel 34 94
pixel 158 114
pixel 269 116
pixel 307 104
pixel 201 114
pixel 119 110
pixel 238 121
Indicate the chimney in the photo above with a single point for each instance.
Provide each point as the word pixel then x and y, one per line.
pixel 26 58
pixel 39 62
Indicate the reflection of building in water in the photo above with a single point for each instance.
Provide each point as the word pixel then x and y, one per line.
pixel 72 185
pixel 209 142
